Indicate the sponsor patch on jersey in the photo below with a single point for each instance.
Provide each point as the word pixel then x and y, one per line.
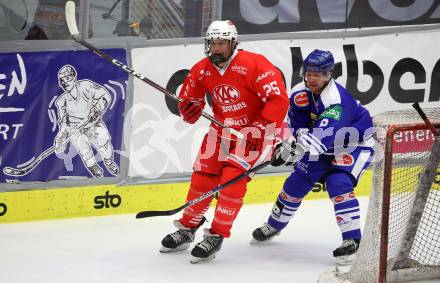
pixel 343 159
pixel 239 69
pixel 264 75
pixel 241 121
pixel 234 107
pixel 225 94
pixel 225 210
pixel 204 74
pixel 301 99
pixel 333 112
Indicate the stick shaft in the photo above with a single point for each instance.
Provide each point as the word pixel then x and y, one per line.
pixel 146 213
pixel 425 119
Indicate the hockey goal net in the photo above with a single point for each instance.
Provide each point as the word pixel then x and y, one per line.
pixel 401 240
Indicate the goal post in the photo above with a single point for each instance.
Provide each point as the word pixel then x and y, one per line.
pixel 401 237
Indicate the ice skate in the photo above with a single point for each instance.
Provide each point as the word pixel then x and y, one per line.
pixel 96 171
pixel 264 233
pixel 346 253
pixel 181 239
pixel 111 166
pixel 207 249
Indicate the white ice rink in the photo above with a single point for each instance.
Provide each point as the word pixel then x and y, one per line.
pixel 124 249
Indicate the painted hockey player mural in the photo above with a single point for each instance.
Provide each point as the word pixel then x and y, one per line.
pixel 81 108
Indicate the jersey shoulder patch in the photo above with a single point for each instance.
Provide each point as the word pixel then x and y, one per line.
pixel 301 99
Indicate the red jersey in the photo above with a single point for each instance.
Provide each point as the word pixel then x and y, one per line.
pixel 248 87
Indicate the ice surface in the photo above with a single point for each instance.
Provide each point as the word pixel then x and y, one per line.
pixel 124 249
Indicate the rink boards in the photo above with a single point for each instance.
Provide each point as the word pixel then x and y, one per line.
pixel 112 199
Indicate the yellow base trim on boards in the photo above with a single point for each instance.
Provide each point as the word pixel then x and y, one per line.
pixel 59 203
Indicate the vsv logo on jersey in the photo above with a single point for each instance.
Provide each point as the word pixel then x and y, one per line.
pixel 225 94
pixel 301 99
pixel 344 159
pixel 107 200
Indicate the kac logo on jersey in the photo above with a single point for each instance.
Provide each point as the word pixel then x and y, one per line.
pixel 301 99
pixel 344 159
pixel 225 94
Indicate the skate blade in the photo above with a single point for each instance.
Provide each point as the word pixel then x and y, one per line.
pixel 178 249
pixel 256 242
pixel 195 260
pixel 346 260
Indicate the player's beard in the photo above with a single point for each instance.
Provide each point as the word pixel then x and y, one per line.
pixel 218 58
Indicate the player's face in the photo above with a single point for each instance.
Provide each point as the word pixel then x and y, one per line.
pixel 221 46
pixel 67 83
pixel 316 81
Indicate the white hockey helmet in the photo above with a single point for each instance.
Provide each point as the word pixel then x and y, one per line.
pixel 66 75
pixel 221 30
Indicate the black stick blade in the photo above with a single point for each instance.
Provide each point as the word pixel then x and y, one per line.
pixel 145 214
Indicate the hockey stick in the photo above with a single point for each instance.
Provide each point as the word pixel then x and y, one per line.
pixel 144 214
pixel 425 119
pixel 16 172
pixel 73 29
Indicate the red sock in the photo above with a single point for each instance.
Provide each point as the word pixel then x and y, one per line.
pixel 229 202
pixel 200 184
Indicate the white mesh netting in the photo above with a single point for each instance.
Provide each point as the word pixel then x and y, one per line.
pixel 414 222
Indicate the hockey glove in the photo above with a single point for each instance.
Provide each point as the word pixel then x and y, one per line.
pixel 261 130
pixel 190 110
pixel 287 152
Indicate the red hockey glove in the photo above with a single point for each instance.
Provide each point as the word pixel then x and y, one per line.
pixel 190 110
pixel 261 130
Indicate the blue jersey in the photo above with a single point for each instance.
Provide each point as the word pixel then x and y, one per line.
pixel 328 121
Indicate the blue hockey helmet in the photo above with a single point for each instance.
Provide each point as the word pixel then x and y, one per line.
pixel 318 61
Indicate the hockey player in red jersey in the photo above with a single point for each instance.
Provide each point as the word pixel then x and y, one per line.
pixel 248 94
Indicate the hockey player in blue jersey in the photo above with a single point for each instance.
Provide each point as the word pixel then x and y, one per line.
pixel 332 141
